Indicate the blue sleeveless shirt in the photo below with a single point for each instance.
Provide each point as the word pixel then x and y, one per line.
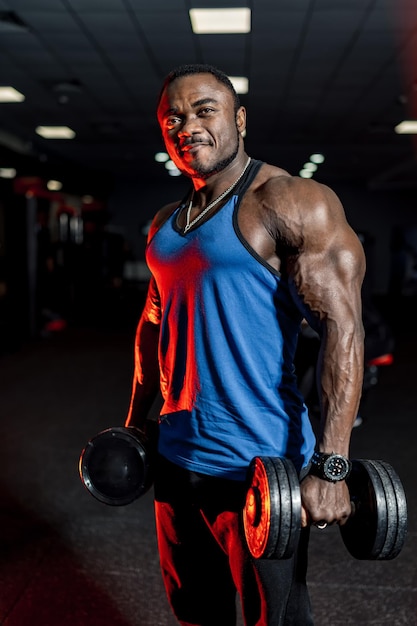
pixel 229 331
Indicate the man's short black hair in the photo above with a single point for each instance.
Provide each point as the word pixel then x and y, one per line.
pixel 200 68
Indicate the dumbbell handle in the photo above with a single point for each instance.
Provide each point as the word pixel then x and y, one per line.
pixel 323 524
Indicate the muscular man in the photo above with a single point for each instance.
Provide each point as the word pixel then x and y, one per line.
pixel 236 266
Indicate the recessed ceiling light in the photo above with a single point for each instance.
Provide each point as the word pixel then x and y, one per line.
pixel 240 83
pixel 172 168
pixel 407 127
pixel 317 158
pixel 310 167
pixel 55 132
pixel 161 157
pixel 54 185
pixel 306 173
pixel 10 94
pixel 209 21
pixel 7 172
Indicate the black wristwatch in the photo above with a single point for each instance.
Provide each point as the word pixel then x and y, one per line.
pixel 331 467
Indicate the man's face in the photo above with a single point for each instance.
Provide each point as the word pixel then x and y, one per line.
pixel 199 125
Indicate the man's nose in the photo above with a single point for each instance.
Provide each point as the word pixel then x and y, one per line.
pixel 190 127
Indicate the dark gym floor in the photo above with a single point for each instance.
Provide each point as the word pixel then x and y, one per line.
pixel 68 560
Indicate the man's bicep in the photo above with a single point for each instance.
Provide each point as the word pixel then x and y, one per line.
pixel 328 282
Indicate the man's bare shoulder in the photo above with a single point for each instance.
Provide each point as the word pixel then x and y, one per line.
pixel 271 173
pixel 276 181
pixel 304 214
pixel 295 197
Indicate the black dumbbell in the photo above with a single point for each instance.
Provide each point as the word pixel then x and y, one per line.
pixel 272 512
pixel 114 466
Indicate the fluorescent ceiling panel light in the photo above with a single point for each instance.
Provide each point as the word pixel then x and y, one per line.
pixel 240 83
pixel 55 132
pixel 10 94
pixel 209 21
pixel 407 127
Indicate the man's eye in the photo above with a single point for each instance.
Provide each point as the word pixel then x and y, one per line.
pixel 206 111
pixel 172 121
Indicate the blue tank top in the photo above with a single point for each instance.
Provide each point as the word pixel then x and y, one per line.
pixel 229 331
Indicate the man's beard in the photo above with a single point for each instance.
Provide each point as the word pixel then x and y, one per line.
pixel 205 172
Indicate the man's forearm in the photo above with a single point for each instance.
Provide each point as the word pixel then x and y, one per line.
pixel 146 376
pixel 341 386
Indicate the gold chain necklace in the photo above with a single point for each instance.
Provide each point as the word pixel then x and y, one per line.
pixel 189 224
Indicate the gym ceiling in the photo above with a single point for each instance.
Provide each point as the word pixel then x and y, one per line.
pixel 325 76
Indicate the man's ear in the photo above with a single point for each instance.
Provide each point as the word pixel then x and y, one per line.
pixel 241 119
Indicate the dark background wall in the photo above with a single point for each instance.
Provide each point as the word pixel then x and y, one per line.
pixel 106 277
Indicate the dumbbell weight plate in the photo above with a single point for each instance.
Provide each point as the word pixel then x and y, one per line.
pixel 272 511
pixel 378 528
pixel 397 511
pixel 113 466
pixel 290 507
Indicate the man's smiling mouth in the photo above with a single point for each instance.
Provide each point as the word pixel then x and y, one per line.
pixel 188 146
pixel 191 146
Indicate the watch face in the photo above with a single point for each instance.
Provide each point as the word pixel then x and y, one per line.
pixel 336 467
